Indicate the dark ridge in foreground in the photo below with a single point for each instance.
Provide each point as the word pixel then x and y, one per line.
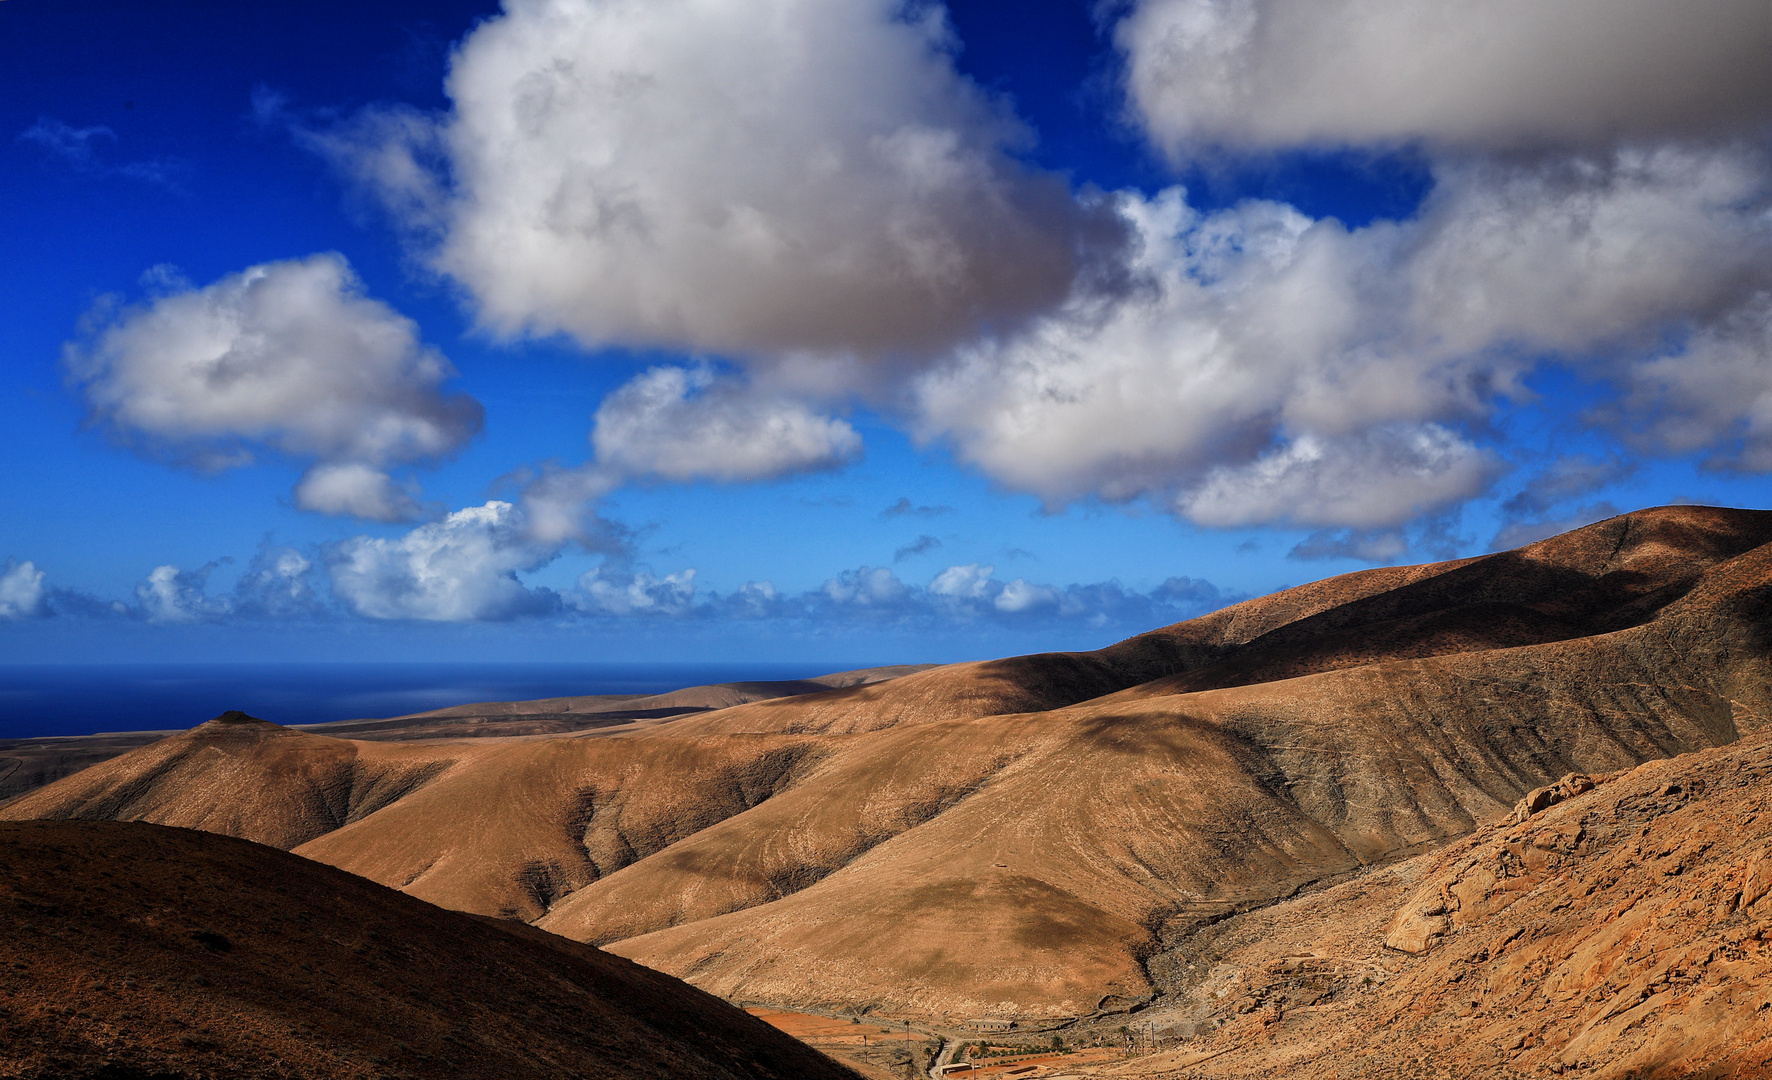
pixel 142 952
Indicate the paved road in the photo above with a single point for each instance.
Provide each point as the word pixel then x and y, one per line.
pixel 946 1057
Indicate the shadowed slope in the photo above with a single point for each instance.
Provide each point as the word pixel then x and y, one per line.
pixel 532 821
pixel 137 951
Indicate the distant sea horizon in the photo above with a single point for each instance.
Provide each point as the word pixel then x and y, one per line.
pixel 43 700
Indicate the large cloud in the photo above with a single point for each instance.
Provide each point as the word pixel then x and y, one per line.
pixel 286 356
pixel 1472 73
pixel 1271 367
pixel 742 176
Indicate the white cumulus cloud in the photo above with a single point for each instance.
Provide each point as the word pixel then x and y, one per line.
pixel 171 595
pixel 285 356
pixel 353 489
pixel 1386 477
pixel 809 189
pixel 1472 73
pixel 1273 367
pixel 971 581
pixel 867 587
pixel 604 591
pixel 462 568
pixel 686 423
pixel 741 176
pixel 21 591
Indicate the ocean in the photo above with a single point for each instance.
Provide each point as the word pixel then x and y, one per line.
pixel 81 699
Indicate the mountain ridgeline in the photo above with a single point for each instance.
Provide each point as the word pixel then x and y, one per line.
pixel 1033 836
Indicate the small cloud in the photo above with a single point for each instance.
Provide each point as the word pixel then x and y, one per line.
pixel 353 489
pixel 1019 596
pixel 171 595
pixel 1186 590
pixel 278 585
pixel 920 546
pixel 905 508
pixel 606 591
pixel 680 423
pixel 969 582
pixel 71 145
pixel 461 569
pixel 290 357
pixel 21 592
pixel 868 587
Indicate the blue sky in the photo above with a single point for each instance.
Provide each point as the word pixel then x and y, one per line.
pixel 846 330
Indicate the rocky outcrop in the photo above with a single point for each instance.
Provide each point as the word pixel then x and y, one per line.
pixel 1623 932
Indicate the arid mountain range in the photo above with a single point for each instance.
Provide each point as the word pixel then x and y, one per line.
pixel 1036 837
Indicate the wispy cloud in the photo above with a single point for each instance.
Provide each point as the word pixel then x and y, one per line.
pixel 905 508
pixel 922 545
pixel 87 150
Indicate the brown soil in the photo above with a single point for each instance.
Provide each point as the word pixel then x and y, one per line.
pixel 139 952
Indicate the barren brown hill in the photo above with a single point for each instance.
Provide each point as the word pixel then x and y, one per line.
pixel 139 952
pixel 1026 837
pixel 1624 932
pixel 244 777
